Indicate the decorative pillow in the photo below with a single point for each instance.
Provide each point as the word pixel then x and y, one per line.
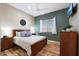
pixel 26 33
pixel 23 33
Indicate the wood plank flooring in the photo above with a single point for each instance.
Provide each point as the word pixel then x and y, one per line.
pixel 51 49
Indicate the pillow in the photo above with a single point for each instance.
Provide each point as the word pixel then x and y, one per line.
pixel 23 33
pixel 26 33
pixel 18 34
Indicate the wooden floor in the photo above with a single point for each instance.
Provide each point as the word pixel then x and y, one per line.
pixel 51 49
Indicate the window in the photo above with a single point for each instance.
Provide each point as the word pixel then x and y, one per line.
pixel 48 25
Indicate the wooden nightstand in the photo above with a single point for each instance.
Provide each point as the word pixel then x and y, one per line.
pixel 6 43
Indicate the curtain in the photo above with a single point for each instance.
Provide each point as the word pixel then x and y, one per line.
pixel 48 25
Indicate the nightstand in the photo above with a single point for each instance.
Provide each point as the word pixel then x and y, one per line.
pixel 6 43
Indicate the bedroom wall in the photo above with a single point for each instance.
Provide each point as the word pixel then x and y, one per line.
pixel 74 21
pixel 62 21
pixel 10 18
pixel 0 39
pixel 0 35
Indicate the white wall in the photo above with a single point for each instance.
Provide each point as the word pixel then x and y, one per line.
pixel 74 20
pixel 0 39
pixel 10 18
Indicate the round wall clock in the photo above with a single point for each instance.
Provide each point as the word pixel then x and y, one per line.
pixel 22 22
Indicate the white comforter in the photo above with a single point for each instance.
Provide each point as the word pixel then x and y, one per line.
pixel 26 42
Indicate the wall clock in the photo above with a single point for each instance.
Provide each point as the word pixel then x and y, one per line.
pixel 22 22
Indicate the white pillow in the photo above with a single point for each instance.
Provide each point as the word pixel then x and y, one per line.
pixel 18 34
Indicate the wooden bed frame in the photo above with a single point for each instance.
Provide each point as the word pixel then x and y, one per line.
pixel 35 48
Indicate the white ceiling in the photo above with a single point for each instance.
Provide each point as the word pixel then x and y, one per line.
pixel 36 9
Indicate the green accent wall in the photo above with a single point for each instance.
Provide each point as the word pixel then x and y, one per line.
pixel 62 21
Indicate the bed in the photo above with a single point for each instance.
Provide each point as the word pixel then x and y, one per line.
pixel 32 44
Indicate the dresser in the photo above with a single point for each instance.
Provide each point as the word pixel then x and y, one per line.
pixel 68 43
pixel 6 43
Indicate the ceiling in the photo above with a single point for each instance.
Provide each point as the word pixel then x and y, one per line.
pixel 36 9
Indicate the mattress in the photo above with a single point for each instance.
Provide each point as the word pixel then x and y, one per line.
pixel 26 42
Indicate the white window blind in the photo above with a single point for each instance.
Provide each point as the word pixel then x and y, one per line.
pixel 48 25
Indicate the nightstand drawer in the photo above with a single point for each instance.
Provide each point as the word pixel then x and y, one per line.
pixel 6 43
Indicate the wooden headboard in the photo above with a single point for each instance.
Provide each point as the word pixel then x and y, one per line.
pixel 18 30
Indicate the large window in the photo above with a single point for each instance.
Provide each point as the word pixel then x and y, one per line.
pixel 48 25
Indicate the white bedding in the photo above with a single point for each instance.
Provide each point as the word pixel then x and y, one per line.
pixel 26 42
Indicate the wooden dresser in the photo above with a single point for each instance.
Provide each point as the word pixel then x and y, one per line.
pixel 6 43
pixel 68 43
